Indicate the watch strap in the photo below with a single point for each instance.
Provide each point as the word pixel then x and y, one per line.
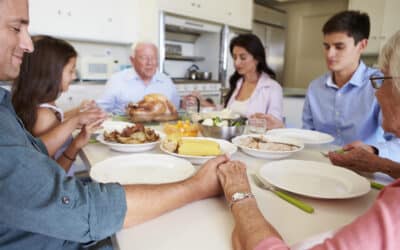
pixel 243 197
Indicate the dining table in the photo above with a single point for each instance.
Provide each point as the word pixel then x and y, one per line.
pixel 208 224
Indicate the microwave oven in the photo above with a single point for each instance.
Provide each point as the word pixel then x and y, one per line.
pixel 95 68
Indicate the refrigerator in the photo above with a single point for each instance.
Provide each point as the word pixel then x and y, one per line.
pixel 273 38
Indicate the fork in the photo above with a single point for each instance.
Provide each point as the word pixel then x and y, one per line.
pixel 303 206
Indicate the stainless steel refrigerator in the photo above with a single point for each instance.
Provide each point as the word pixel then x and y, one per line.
pixel 273 38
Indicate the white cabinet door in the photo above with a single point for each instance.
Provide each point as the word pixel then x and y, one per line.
pixel 391 22
pixel 376 12
pixel 92 20
pixel 237 13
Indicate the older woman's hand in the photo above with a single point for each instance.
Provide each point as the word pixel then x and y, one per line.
pixel 358 144
pixel 233 178
pixel 357 158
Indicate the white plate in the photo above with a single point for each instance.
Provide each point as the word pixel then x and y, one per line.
pixel 314 179
pixel 128 148
pixel 226 148
pixel 268 154
pixel 304 135
pixel 142 169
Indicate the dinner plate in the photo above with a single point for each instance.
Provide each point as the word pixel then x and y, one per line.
pixel 110 126
pixel 142 169
pixel 268 154
pixel 226 148
pixel 315 179
pixel 304 135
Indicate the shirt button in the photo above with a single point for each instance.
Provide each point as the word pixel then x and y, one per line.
pixel 65 200
pixel 337 113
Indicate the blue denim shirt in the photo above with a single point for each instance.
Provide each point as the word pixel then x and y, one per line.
pixel 349 113
pixel 40 206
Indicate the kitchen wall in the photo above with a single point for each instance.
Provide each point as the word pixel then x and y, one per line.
pixel 304 59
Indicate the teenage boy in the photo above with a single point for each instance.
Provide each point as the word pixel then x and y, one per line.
pixel 342 102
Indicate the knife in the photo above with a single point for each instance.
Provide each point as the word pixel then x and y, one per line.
pixel 302 205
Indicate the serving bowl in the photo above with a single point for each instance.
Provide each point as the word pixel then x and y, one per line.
pixel 223 132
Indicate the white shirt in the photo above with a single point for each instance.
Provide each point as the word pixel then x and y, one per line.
pixel 239 107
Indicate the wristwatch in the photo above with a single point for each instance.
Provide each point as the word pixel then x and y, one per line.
pixel 238 196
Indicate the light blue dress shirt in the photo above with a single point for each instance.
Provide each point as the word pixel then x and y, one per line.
pixel 126 86
pixel 349 113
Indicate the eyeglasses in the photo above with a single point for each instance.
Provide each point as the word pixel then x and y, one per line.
pixel 377 81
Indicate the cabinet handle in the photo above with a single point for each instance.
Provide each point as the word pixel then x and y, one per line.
pixel 194 24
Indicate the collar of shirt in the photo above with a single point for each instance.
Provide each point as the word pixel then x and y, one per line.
pixel 133 75
pixel 357 79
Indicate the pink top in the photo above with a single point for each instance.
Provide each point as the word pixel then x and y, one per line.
pixel 378 228
pixel 267 97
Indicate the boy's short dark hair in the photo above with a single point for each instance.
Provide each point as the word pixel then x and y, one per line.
pixel 355 23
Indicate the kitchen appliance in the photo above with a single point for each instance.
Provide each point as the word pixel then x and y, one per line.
pixel 189 48
pixel 95 68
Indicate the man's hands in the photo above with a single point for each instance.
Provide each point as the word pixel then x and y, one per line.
pixel 205 180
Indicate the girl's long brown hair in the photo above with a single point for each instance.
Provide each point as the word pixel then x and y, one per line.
pixel 40 78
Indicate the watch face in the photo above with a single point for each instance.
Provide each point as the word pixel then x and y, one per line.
pixel 238 196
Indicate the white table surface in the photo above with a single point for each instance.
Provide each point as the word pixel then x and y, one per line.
pixel 208 224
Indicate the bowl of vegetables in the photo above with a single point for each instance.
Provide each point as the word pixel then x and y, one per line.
pixel 222 128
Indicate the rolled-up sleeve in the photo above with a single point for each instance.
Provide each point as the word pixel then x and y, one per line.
pixel 37 196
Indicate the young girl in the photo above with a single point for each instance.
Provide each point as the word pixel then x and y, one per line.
pixel 45 74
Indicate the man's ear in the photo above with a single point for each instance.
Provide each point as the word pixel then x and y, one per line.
pixel 362 44
pixel 131 58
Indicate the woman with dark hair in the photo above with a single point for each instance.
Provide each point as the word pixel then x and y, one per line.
pixel 253 89
pixel 45 74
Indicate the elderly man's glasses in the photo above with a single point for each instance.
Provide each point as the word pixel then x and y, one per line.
pixel 377 81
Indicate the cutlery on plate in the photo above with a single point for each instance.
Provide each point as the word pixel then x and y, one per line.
pixel 377 185
pixel 303 206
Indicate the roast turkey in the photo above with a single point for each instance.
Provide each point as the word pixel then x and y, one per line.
pixel 153 107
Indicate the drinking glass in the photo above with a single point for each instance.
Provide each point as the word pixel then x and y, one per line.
pixel 257 125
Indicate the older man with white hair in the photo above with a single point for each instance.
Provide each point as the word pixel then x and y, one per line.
pixel 131 85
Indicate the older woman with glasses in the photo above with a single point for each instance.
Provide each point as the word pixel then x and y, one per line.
pixel 388 95
pixel 379 227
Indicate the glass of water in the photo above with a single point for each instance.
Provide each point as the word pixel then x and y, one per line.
pixel 257 125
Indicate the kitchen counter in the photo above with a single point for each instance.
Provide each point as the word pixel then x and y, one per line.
pixel 185 81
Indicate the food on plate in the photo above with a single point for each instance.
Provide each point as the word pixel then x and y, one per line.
pixel 153 107
pixel 224 122
pixel 262 143
pixel 181 128
pixel 194 147
pixel 136 134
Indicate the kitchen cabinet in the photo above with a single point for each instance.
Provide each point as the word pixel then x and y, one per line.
pixel 236 13
pixel 79 92
pixel 383 17
pixel 110 21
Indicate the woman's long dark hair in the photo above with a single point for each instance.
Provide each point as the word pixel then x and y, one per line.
pixel 40 78
pixel 253 45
